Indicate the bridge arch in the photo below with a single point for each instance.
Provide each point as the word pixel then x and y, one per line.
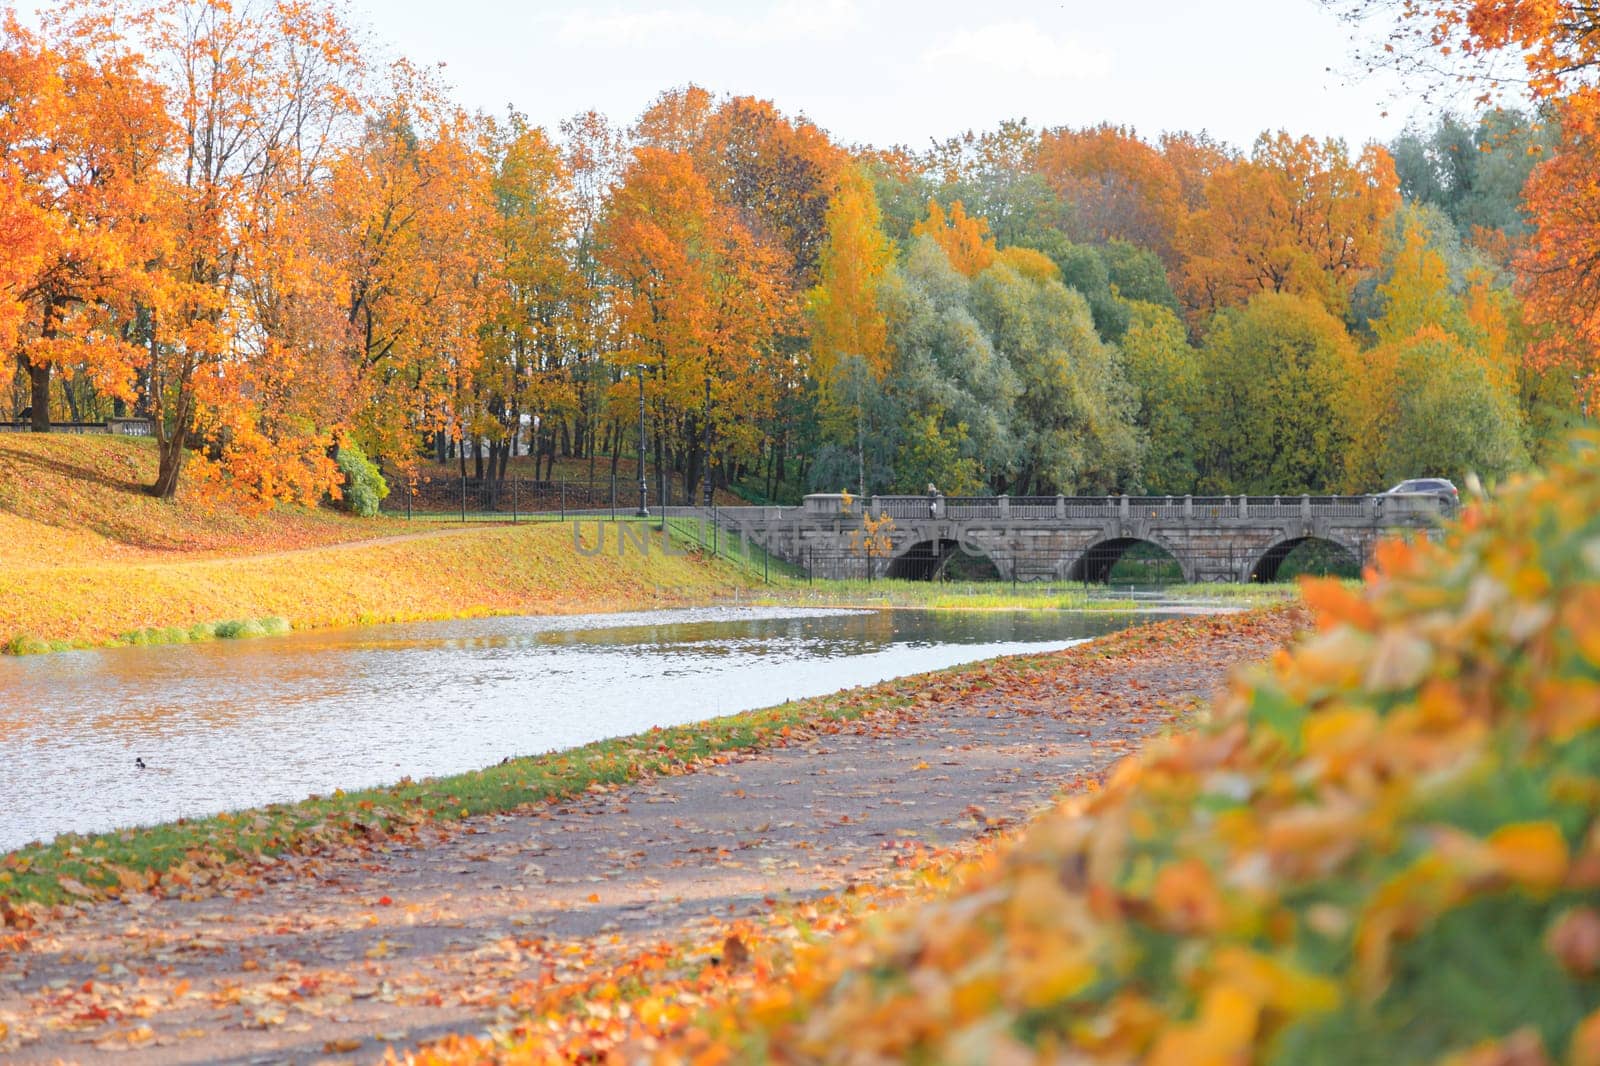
pixel 1265 567
pixel 926 560
pixel 1098 559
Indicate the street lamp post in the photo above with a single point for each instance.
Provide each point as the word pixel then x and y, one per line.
pixel 644 511
pixel 709 486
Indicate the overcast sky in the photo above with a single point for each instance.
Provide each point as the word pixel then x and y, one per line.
pixel 893 71
pixel 901 71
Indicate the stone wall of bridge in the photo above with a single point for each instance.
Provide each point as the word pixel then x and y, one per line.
pixel 1222 540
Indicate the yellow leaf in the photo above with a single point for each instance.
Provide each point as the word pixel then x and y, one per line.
pixel 1221 1035
pixel 1532 853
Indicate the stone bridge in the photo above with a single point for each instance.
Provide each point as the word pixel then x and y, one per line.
pixel 1073 538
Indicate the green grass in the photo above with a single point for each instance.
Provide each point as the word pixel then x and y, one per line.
pixel 177 854
pixel 996 595
pixel 232 629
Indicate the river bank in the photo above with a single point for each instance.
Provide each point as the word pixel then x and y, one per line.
pixel 458 573
pixel 87 558
pixel 424 909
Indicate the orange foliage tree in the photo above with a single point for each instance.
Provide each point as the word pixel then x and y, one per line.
pixel 1299 216
pixel 259 92
pixel 1118 187
pixel 81 136
pixel 964 238
pixel 698 300
pixel 536 319
pixel 413 214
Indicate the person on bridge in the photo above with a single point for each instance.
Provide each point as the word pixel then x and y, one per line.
pixel 933 500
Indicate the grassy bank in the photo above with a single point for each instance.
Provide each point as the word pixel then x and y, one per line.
pixel 191 855
pixel 69 500
pixel 87 558
pixel 440 574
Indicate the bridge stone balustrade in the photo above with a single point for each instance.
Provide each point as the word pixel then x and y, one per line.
pixel 1213 538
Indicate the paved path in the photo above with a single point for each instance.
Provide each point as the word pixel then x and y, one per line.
pixel 333 959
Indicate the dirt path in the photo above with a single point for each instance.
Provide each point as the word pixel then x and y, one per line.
pixel 331 960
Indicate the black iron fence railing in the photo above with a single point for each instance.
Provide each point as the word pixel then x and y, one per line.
pixel 121 427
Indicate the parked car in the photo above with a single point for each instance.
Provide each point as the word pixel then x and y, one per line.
pixel 1428 486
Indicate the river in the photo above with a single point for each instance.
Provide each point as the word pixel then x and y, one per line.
pixel 233 724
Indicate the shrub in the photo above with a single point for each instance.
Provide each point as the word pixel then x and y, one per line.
pixel 1384 847
pixel 364 486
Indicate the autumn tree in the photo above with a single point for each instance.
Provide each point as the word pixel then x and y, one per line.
pixel 260 92
pixel 964 238
pixel 1194 158
pixel 698 300
pixel 1115 185
pixel 1437 394
pixel 1431 409
pixel 1550 50
pixel 995 173
pixel 849 329
pixel 414 220
pixel 82 133
pixel 777 173
pixel 1299 216
pixel 535 324
pixel 594 154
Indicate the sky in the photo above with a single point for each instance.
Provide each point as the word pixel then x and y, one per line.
pixel 899 72
pixel 903 72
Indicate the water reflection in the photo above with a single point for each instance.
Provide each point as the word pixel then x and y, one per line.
pixel 237 724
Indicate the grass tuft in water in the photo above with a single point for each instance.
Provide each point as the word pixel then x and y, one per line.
pixel 235 629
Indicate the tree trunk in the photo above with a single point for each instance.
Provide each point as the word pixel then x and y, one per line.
pixel 73 414
pixel 172 449
pixel 39 380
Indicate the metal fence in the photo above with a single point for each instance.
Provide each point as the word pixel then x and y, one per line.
pixel 511 498
pixel 118 427
pixel 957 508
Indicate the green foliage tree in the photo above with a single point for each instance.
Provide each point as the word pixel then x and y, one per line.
pixel 946 365
pixel 1275 381
pixel 933 451
pixel 364 485
pixel 1436 413
pixel 1164 372
pixel 1474 172
pixel 1073 420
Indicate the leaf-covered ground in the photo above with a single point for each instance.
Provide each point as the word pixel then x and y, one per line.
pixel 75 499
pixel 1383 848
pixel 591 906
